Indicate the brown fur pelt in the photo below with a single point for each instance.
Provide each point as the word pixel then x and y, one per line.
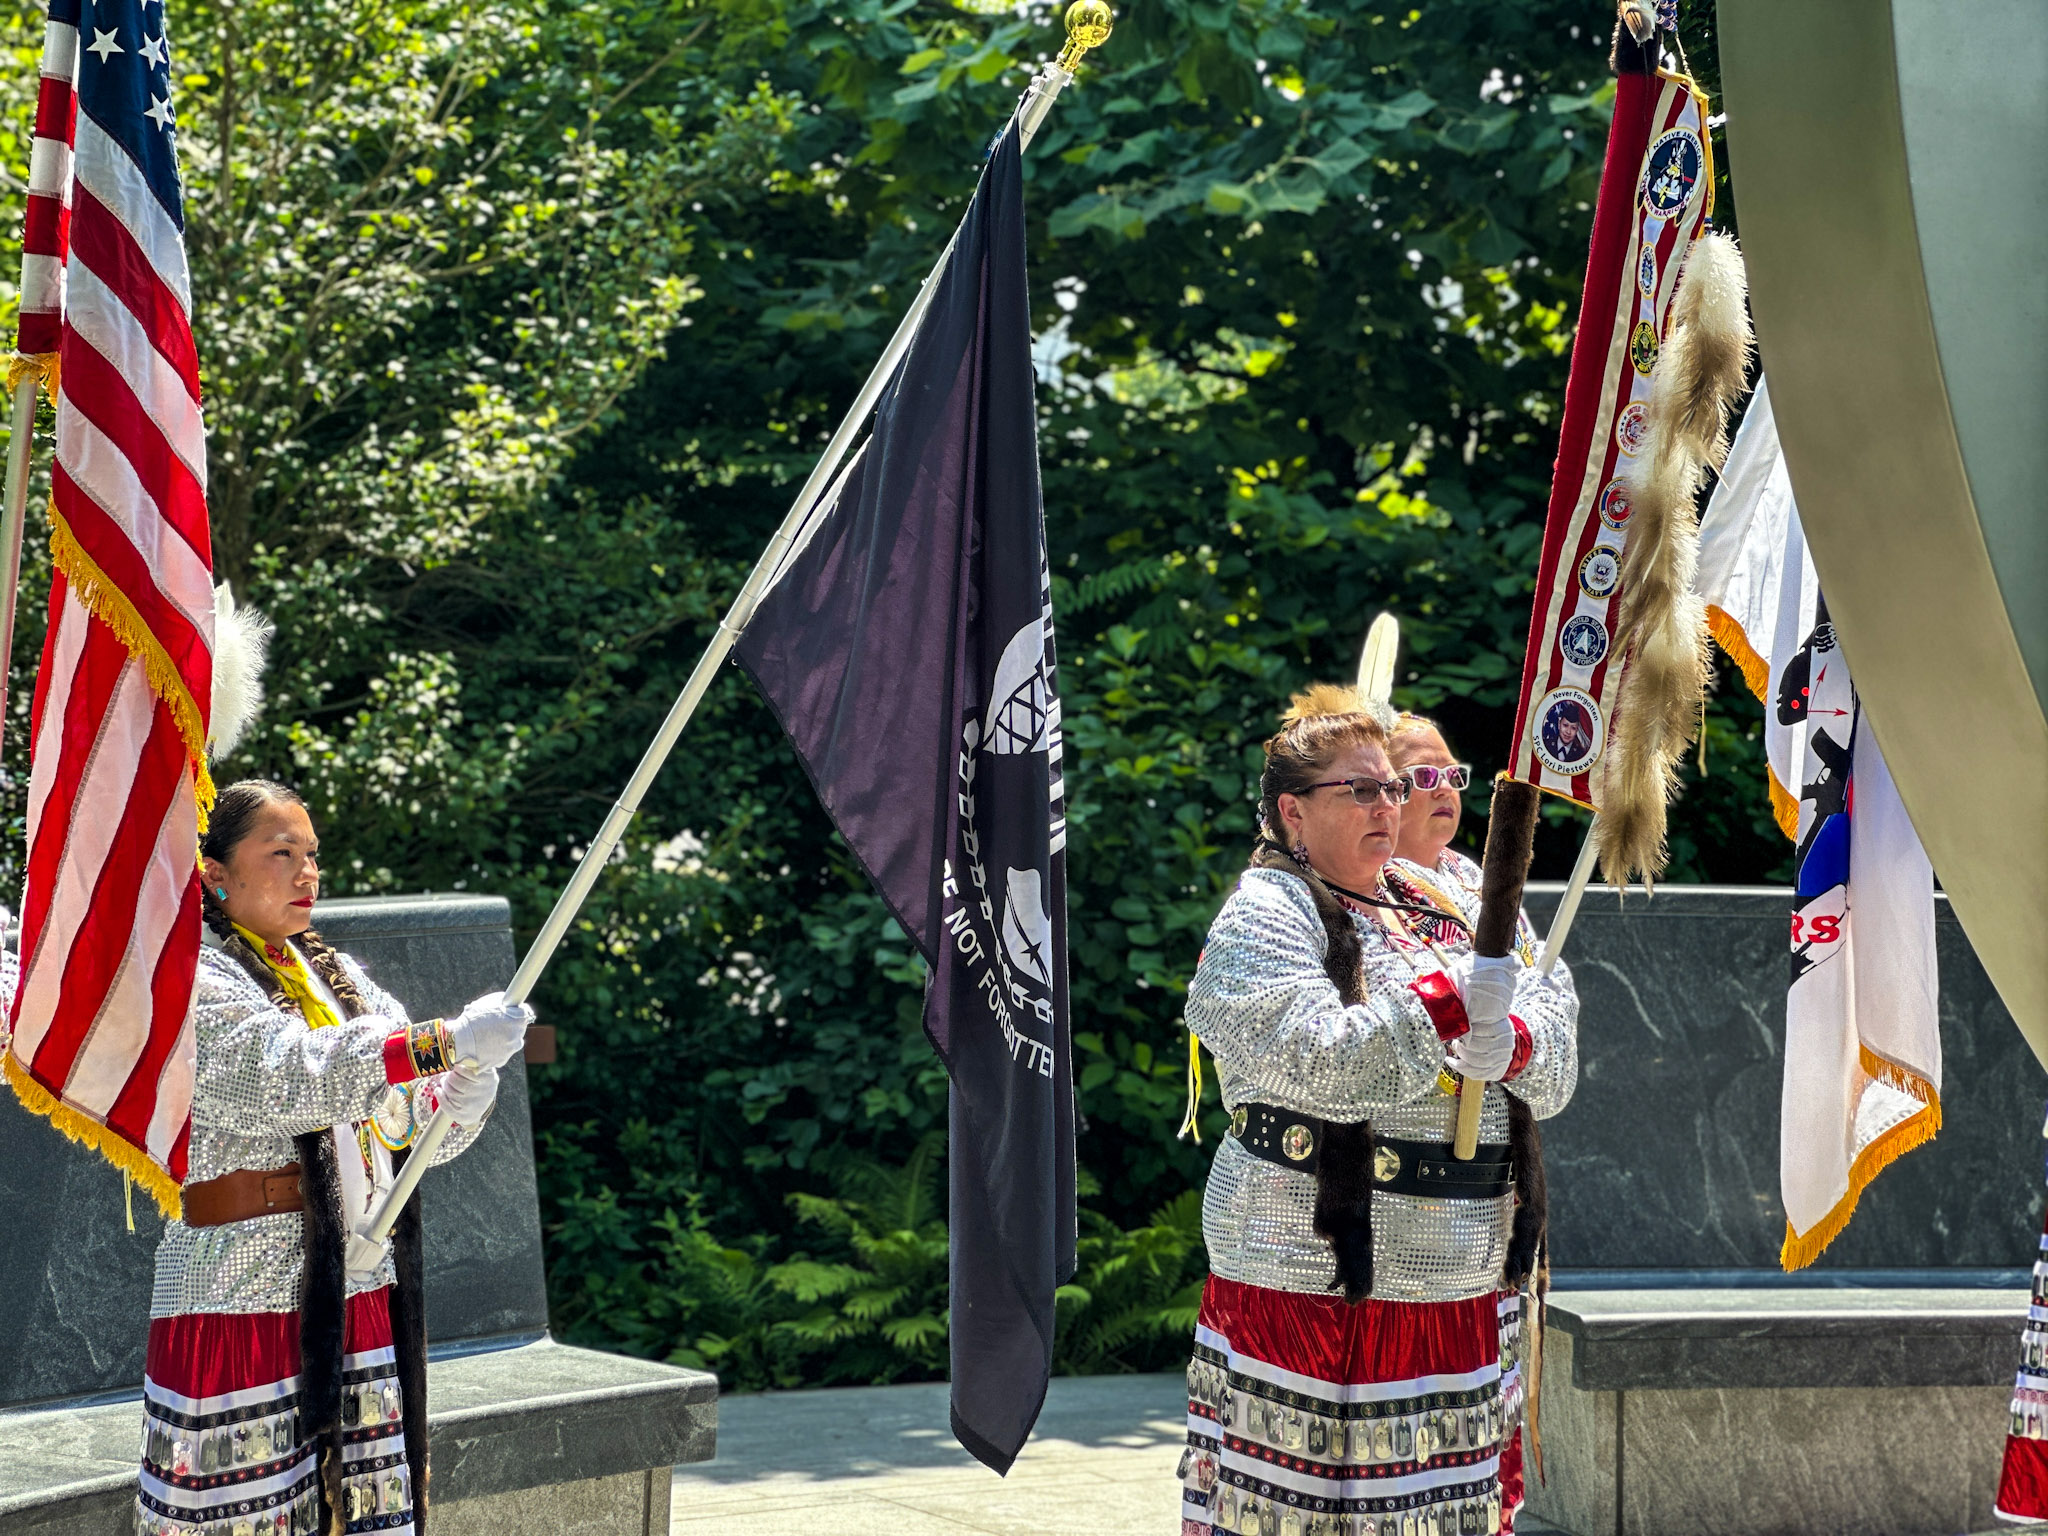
pixel 1510 842
pixel 409 1336
pixel 1630 54
pixel 1343 1213
pixel 1529 1241
pixel 1660 621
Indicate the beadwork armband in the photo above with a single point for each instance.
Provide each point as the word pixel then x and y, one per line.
pixel 419 1050
pixel 1525 1048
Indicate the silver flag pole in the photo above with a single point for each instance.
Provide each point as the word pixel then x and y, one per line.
pixel 1088 24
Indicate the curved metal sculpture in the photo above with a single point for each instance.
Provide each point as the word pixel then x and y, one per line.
pixel 1890 162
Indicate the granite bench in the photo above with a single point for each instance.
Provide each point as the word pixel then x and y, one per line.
pixel 1688 1385
pixel 528 1434
pixel 534 1436
pixel 1793 1410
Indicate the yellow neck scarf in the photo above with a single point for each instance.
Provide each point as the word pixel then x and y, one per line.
pixel 291 974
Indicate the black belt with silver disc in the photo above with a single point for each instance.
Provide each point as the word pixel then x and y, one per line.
pixel 1422 1168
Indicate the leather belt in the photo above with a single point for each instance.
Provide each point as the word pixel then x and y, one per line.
pixel 1422 1168
pixel 244 1195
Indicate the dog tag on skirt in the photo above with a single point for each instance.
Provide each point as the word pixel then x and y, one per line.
pixel 1382 1441
pixel 392 1409
pixel 1319 1436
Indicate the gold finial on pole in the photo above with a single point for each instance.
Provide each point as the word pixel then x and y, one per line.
pixel 1088 26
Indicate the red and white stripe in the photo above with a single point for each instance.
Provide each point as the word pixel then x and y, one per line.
pixel 46 232
pixel 110 919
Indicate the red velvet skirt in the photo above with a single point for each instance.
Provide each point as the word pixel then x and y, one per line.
pixel 1308 1416
pixel 223 1452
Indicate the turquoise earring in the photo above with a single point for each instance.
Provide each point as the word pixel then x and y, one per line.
pixel 221 892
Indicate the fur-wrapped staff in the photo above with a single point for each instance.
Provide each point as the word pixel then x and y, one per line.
pixel 1616 662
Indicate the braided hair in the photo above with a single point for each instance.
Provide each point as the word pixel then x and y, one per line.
pixel 234 817
pixel 1318 726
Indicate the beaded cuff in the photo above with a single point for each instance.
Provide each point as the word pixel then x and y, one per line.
pixel 419 1050
pixel 1525 1047
pixel 1440 1000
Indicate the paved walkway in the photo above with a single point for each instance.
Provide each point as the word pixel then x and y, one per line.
pixel 880 1461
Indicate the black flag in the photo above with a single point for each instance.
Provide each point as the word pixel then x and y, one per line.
pixel 908 650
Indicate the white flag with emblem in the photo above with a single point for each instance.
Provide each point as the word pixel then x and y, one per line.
pixel 1862 1016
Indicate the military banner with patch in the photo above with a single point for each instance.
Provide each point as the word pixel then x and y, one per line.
pixel 1862 1009
pixel 907 647
pixel 1656 195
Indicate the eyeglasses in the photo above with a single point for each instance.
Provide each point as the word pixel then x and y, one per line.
pixel 1366 791
pixel 1426 778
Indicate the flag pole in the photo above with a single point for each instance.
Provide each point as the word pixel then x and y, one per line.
pixel 1088 25
pixel 1568 904
pixel 14 511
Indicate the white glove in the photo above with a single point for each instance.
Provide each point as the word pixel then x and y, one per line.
pixel 490 1031
pixel 467 1093
pixel 1487 1050
pixel 1489 987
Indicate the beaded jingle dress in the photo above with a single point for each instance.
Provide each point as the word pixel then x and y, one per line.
pixel 1355 1365
pixel 281 1395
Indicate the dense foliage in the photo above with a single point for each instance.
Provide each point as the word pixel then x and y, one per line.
pixel 521 320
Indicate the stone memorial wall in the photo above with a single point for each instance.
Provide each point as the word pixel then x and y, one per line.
pixel 1667 1158
pixel 77 1281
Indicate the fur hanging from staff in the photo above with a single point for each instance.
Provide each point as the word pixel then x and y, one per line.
pixel 1661 623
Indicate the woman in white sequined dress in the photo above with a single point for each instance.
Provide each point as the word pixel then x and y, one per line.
pixel 282 1395
pixel 1354 1370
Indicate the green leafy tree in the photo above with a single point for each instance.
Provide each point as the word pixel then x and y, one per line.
pixel 521 320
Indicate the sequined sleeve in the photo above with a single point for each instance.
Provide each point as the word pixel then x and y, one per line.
pixel 1549 1006
pixel 264 1072
pixel 419 1094
pixel 1268 1013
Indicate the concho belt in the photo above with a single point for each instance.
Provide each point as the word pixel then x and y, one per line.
pixel 1422 1168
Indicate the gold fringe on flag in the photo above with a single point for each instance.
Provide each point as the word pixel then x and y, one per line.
pixel 41 366
pixel 1802 1248
pixel 109 604
pixel 86 1131
pixel 1756 674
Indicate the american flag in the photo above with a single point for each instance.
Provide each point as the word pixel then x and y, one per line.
pixel 100 1037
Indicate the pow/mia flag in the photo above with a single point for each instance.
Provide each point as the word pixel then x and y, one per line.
pixel 907 648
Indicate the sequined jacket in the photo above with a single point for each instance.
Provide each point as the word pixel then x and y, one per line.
pixel 262 1077
pixel 1273 1021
